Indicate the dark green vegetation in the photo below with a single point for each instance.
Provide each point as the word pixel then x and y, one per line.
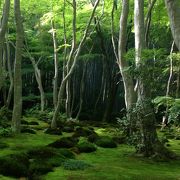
pixel 45 156
pixel 89 89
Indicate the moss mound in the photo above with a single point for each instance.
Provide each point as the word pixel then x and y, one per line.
pixel 39 168
pixel 106 142
pixel 86 147
pixel 84 132
pixel 43 153
pixel 93 137
pixel 33 123
pixel 119 139
pixel 68 129
pixel 28 130
pixel 14 165
pixel 56 131
pixel 66 153
pixel 64 142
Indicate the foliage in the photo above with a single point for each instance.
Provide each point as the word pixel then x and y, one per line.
pixel 75 165
pixel 173 106
pixel 6 132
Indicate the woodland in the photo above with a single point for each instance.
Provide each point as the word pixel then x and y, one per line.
pixel 90 89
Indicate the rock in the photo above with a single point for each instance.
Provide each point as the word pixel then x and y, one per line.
pixel 119 139
pixel 56 131
pixel 105 142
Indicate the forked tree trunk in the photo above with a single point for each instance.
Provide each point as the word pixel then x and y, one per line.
pixel 173 8
pixel 17 108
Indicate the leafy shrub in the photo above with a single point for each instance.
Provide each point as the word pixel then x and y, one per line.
pixel 72 164
pixel 6 132
pixel 173 106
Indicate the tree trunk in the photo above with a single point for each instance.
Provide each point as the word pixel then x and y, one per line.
pixel 55 80
pixel 72 68
pixel 10 92
pixel 149 143
pixel 173 8
pixel 130 95
pixel 3 29
pixel 17 108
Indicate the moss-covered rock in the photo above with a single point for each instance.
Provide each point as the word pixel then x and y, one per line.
pixel 84 132
pixel 68 129
pixel 43 153
pixel 14 165
pixel 64 142
pixel 28 130
pixel 66 153
pixel 38 168
pixel 56 131
pixel 33 123
pixel 106 142
pixel 86 147
pixel 119 139
pixel 93 137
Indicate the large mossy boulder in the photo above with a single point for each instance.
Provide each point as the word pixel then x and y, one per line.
pixel 64 142
pixel 106 142
pixel 14 165
pixel 86 147
pixel 56 131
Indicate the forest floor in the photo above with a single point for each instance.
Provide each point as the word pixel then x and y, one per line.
pixel 105 163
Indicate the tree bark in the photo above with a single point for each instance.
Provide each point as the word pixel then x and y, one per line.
pixel 3 29
pixel 130 94
pixel 173 8
pixel 17 108
pixel 55 80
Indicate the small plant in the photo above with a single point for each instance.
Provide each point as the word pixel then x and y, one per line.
pixel 72 164
pixel 6 132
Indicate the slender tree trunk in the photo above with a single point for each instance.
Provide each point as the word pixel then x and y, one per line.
pixel 55 80
pixel 3 29
pixel 130 94
pixel 71 70
pixel 173 8
pixel 81 91
pixel 17 108
pixel 10 92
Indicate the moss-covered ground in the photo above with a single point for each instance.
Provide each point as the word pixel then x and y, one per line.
pixel 106 164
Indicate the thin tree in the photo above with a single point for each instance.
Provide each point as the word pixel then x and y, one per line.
pixel 17 108
pixel 69 73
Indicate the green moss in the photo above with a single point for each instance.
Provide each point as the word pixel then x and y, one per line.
pixel 14 165
pixel 86 147
pixel 106 142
